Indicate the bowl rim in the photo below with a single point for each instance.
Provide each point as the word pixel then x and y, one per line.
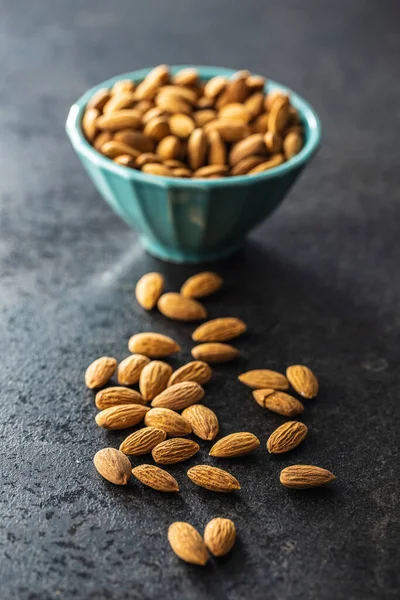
pixel 82 146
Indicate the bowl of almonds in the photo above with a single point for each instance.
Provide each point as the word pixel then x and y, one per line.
pixel 192 157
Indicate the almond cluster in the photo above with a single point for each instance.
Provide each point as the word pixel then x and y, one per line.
pixel 180 126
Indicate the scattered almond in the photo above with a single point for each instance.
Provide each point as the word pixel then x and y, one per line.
pixel 148 290
pixel 154 378
pixel 187 543
pixel 177 307
pixel 213 479
pixel 235 444
pixel 142 441
pixel 197 371
pixel 303 380
pixel 121 416
pixel 154 345
pixel 264 378
pixel 179 396
pixel 174 450
pixel 113 396
pixel 169 421
pixel 220 536
pixel 215 352
pixel 201 285
pixel 305 476
pixel 278 402
pixel 202 420
pixel 113 465
pixel 100 372
pixel 156 478
pixel 286 437
pixel 130 368
pixel 219 330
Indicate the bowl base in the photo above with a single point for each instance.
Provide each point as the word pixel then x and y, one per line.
pixel 174 255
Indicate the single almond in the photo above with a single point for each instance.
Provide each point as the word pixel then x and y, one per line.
pixel 275 96
pixel 157 169
pixel 113 465
pixel 173 163
pixel 271 163
pixel 169 421
pixel 278 402
pixel 148 88
pixel 181 172
pixel 89 123
pixel 146 158
pixel 229 129
pixel 148 290
pixel 279 116
pixel 123 99
pixel 102 138
pixel 187 76
pixel 219 330
pixel 236 91
pixel 154 345
pixel 125 160
pixel 254 144
pixel 215 86
pixel 187 543
pixel 236 111
pixel 142 441
pixel 217 154
pixel 154 379
pixel 260 125
pixel 197 371
pixel 152 113
pixel 181 125
pixel 130 368
pixel 255 104
pixel 286 437
pixel 255 82
pixel 264 378
pixel 121 416
pixel 182 93
pixel 100 372
pixel 179 396
pixel 119 119
pixel 220 536
pixel 245 165
pixel 143 106
pixel 203 421
pixel 114 148
pixel 197 149
pixel 213 479
pixel 292 144
pixel 305 476
pixel 209 171
pixel 235 444
pixel 174 450
pixel 99 99
pixel 201 117
pixel 136 139
pixel 173 103
pixel 123 85
pixel 113 396
pixel 273 142
pixel 157 128
pixel 179 308
pixel 156 478
pixel 215 352
pixel 204 103
pixel 303 380
pixel 169 147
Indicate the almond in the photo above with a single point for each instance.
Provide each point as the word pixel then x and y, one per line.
pixel 119 119
pixel 219 536
pixel 255 104
pixel 197 371
pixel 169 147
pixel 236 111
pixel 180 92
pixel 173 103
pixel 177 307
pixel 136 139
pixel 123 85
pixel 274 161
pixel 156 478
pixel 235 444
pixel 273 142
pixel 215 352
pixel 89 123
pixel 303 380
pixel 181 172
pixel 99 99
pixel 260 125
pixel 142 441
pixel 169 421
pixel 197 149
pixel 255 82
pixel 215 86
pixel 125 160
pixel 286 437
pixel 113 396
pixel 123 99
pixel 157 169
pixel 148 290
pixel 100 372
pixel 143 106
pixel 278 402
pixel 236 91
pixel 264 378
pixel 203 421
pixel 146 158
pixel 102 138
pixel 201 117
pixel 217 154
pixel 305 476
pixel 187 543
pixel 154 345
pixel 121 416
pixel 211 171
pixel 245 165
pixel 113 465
pixel 187 76
pixel 148 88
pixel 113 148
pixel 201 285
pixel 254 144
pixel 278 116
pixel 213 479
pixel 230 130
pixel 179 396
pixel 181 125
pixel 130 368
pixel 152 113
pixel 157 128
pixel 174 450
pixel 275 96
pixel 154 378
pixel 219 330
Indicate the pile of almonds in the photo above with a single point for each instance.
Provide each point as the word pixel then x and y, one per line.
pixel 179 126
pixel 176 411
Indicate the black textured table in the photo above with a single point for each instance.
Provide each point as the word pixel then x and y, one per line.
pixel 317 284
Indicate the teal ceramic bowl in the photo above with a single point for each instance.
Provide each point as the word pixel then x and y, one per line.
pixel 191 220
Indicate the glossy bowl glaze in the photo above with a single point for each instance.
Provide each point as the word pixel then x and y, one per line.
pixel 191 220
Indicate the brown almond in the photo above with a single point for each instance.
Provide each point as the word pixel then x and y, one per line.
pixel 301 477
pixel 187 76
pixel 274 161
pixel 179 396
pixel 148 88
pixel 113 465
pixel 154 345
pixel 235 444
pixel 128 118
pixel 230 130
pixel 255 104
pixel 121 416
pixel 260 125
pixel 173 103
pixel 303 380
pixel 136 139
pixel 113 396
pixel 236 112
pixel 130 368
pixel 220 536
pixel 201 285
pixel 152 113
pixel 173 163
pixel 197 371
pixel 123 99
pixel 113 148
pixel 292 144
pixel 157 128
pixel 219 330
pixel 100 372
pixel 279 116
pixel 89 123
pixel 215 86
pixel 156 478
pixel 187 543
pixel 181 125
pixel 174 450
pixel 255 82
pixel 254 144
pixel 157 169
pixel 143 106
pixel 154 378
pixel 169 147
pixel 181 172
pixel 245 165
pixel 180 92
pixel 217 154
pixel 197 149
pixel 179 308
pixel 264 378
pixel 99 99
pixel 202 117
pixel 213 479
pixel 236 91
pixel 102 138
pixel 125 161
pixel 286 437
pixel 123 85
pixel 146 158
pixel 142 441
pixel 278 402
pixel 273 142
pixel 148 290
pixel 275 96
pixel 203 421
pixel 215 352
pixel 169 421
pixel 208 171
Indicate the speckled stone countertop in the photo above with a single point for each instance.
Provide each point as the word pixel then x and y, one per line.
pixel 318 284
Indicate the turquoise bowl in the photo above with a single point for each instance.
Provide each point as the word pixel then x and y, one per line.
pixel 191 220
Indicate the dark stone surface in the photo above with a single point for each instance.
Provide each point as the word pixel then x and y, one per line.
pixel 318 283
